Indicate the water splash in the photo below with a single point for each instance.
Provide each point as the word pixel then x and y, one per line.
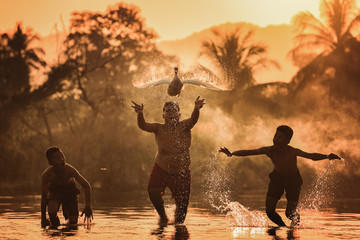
pixel 240 216
pixel 323 192
pixel 218 195
pixel 217 187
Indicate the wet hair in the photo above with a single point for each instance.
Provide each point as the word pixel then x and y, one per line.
pixel 50 151
pixel 171 103
pixel 287 130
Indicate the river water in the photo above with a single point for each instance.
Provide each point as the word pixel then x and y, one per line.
pixel 213 216
pixel 20 219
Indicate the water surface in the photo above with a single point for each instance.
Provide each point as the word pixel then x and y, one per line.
pixel 20 219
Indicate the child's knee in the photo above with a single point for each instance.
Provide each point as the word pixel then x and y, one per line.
pixel 155 192
pixel 52 213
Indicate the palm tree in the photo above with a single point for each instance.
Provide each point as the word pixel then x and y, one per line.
pixel 18 57
pixel 324 44
pixel 236 57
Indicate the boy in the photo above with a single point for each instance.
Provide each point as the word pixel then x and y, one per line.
pixel 58 187
pixel 172 164
pixel 285 175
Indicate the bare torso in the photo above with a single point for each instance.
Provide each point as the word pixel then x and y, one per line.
pixel 173 143
pixel 60 179
pixel 284 159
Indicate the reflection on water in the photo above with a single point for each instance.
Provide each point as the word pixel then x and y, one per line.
pixel 20 219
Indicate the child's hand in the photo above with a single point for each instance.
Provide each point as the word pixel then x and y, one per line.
pixel 333 156
pixel 199 103
pixel 88 214
pixel 226 151
pixel 138 108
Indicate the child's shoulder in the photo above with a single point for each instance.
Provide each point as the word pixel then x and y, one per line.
pixel 69 167
pixel 47 170
pixel 291 149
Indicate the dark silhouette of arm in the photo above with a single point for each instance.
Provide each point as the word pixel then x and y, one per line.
pixel 86 185
pixel 316 156
pixel 259 151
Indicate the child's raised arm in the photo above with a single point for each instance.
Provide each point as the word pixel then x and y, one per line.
pixel 149 127
pixel 190 123
pixel 259 151
pixel 316 156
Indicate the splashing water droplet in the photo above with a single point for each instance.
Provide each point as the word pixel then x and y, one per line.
pixel 218 195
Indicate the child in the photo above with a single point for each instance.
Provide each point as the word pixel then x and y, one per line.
pixel 172 164
pixel 58 187
pixel 285 175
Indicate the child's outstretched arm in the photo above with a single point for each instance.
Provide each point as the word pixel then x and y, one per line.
pixel 259 151
pixel 149 127
pixel 317 156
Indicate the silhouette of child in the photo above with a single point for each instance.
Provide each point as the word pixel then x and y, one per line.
pixel 58 187
pixel 285 176
pixel 172 165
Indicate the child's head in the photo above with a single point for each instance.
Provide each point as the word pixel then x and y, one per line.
pixel 55 157
pixel 283 135
pixel 171 111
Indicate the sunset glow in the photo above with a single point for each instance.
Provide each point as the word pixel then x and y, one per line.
pixel 171 19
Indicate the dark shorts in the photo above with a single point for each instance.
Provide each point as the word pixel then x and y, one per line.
pixel 179 184
pixel 68 200
pixel 280 183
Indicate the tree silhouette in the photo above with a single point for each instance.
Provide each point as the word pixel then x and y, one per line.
pixel 107 50
pixel 236 56
pixel 17 59
pixel 324 46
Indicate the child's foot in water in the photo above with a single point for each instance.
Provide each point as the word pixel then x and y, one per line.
pixel 163 221
pixel 295 223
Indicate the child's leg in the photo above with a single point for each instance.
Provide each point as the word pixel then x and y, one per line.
pixel 275 191
pixel 180 187
pixel 292 213
pixel 182 202
pixel 155 195
pixel 53 208
pixel 271 213
pixel 292 196
pixel 156 188
pixel 71 210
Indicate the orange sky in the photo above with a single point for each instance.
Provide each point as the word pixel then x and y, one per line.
pixel 172 19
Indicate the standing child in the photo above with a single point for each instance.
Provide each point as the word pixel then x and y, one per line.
pixel 58 188
pixel 285 176
pixel 172 164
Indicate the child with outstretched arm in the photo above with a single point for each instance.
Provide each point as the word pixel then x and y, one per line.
pixel 285 176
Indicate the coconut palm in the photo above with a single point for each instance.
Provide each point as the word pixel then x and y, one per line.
pixel 17 58
pixel 236 56
pixel 325 43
